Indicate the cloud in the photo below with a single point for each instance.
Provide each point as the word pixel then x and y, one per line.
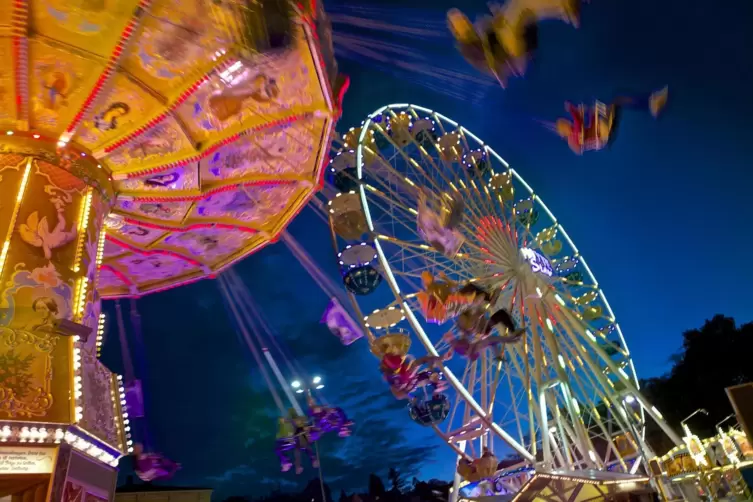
pixel 230 474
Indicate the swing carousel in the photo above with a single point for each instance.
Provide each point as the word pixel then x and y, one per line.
pixel 446 252
pixel 146 144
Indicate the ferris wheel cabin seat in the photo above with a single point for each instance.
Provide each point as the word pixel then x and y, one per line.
pixel 144 144
pixel 557 387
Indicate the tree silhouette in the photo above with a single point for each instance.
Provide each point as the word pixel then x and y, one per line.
pixel 376 487
pixel 397 483
pixel 713 357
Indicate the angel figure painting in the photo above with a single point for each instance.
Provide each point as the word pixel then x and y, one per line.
pixel 37 232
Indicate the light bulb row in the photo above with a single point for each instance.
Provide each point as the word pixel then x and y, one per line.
pixel 100 332
pixel 90 448
pixel 32 434
pixel 124 412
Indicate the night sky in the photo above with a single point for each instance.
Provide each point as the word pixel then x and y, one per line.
pixel 662 217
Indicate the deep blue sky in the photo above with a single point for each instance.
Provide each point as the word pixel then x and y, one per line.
pixel 662 217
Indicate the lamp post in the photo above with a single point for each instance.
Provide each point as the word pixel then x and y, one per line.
pixel 300 388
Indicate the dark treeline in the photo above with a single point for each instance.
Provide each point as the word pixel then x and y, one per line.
pixel 397 489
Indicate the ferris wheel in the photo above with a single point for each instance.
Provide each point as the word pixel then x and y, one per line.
pixel 419 204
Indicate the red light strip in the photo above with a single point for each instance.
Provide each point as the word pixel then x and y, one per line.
pixel 206 195
pixel 104 77
pixel 196 226
pixel 120 275
pixel 154 252
pixel 20 53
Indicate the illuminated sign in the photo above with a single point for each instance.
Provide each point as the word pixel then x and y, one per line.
pixel 539 264
pixel 26 460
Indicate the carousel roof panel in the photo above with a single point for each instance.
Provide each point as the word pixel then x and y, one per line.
pixel 177 181
pixel 59 81
pixel 162 144
pixel 289 148
pixel 127 102
pixel 177 43
pixel 211 143
pixel 152 269
pixel 93 26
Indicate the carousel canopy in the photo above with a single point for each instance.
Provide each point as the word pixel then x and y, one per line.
pixel 208 118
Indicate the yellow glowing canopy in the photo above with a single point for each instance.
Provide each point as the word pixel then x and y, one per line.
pixel 211 148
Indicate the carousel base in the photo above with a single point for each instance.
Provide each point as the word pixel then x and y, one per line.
pixel 53 473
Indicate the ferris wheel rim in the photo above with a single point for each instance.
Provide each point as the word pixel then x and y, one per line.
pixel 513 171
pixel 401 299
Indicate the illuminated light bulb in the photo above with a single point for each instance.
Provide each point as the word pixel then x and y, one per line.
pixel 9 133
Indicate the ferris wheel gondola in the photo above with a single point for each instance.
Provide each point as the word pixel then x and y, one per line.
pixel 551 378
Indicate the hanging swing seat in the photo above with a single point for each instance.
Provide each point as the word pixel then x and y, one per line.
pixel 598 128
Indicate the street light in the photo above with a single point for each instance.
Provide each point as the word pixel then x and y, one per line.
pixel 316 383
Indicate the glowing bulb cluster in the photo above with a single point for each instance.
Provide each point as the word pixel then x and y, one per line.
pixel 83 284
pixel 78 381
pixel 91 449
pixel 124 412
pixel 83 224
pixel 30 434
pixel 100 332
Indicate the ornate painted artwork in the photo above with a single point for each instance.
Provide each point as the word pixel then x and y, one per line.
pixel 177 42
pixel 167 211
pixel 249 204
pixel 210 244
pixel 94 24
pixel 249 94
pixel 139 235
pixel 26 379
pixel 157 146
pixel 126 104
pixel 59 82
pixel 183 178
pixel 154 268
pixel 288 147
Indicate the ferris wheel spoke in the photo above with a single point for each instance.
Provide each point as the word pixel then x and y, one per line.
pixel 592 405
pixel 608 389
